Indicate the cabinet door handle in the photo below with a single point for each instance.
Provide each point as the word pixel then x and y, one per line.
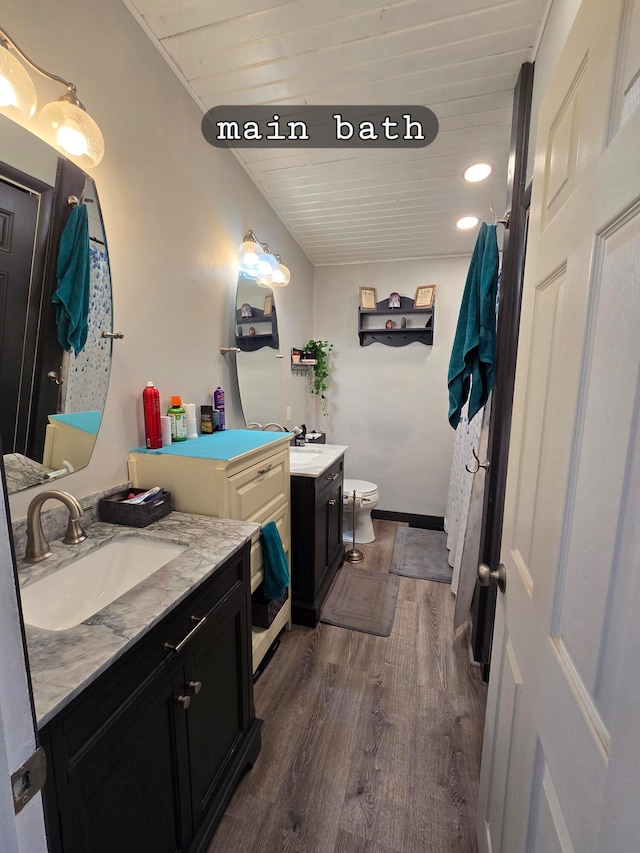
pixel 184 702
pixel 168 647
pixel 332 502
pixel 333 476
pixel 265 470
pixel 196 686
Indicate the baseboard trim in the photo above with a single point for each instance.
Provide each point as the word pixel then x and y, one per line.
pixel 427 522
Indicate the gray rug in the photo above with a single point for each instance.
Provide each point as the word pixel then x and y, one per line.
pixel 362 600
pixel 419 553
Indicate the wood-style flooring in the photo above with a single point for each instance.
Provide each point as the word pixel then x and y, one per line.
pixel 370 744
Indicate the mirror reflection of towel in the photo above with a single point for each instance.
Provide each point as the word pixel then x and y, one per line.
pixel 71 299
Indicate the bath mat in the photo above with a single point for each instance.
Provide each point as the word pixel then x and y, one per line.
pixel 362 600
pixel 419 553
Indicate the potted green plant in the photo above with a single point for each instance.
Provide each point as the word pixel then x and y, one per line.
pixel 319 351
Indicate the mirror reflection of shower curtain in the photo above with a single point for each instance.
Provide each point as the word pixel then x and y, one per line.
pixel 87 373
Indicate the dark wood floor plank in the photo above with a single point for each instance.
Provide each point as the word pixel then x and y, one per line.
pixel 309 800
pixel 370 744
pixel 348 843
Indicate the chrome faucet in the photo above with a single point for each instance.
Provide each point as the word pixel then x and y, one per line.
pixel 37 545
pixel 277 427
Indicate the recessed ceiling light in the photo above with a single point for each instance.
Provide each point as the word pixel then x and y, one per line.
pixel 467 222
pixel 477 172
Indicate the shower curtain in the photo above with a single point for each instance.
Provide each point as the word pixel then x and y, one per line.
pixel 469 548
pixel 460 483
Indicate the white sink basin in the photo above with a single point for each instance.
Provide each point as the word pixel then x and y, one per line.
pixel 75 592
pixel 304 455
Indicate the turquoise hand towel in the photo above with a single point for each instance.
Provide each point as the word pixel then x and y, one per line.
pixel 472 363
pixel 71 298
pixel 276 568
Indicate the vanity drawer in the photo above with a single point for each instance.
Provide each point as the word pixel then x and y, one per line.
pixel 326 481
pixel 256 492
pixel 281 518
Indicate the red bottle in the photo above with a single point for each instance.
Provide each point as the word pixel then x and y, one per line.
pixel 152 423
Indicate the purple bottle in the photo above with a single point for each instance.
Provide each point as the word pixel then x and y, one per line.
pixel 218 404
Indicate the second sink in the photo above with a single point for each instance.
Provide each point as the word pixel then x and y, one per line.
pixel 82 588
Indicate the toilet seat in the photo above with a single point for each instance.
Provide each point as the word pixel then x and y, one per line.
pixel 364 489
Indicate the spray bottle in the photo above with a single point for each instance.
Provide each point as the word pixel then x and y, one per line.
pixel 152 424
pixel 178 419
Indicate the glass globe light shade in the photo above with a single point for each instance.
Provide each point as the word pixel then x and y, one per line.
pixel 248 252
pixel 281 276
pixel 266 264
pixel 467 222
pixel 17 93
pixel 70 129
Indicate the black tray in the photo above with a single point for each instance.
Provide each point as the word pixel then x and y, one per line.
pixel 264 610
pixel 112 509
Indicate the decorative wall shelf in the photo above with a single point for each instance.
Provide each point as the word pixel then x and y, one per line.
pixel 419 324
pixel 302 365
pixel 266 330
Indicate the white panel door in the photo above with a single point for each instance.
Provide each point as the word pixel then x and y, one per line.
pixel 22 833
pixel 561 757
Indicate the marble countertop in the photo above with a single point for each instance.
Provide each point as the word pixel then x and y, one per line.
pixel 63 663
pixel 312 459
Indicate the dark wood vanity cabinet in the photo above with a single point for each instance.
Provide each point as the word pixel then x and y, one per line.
pixel 146 758
pixel 317 551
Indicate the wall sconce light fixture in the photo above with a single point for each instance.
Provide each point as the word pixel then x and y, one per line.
pixel 64 124
pixel 258 262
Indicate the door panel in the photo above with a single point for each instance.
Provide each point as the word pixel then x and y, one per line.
pixel 562 691
pixel 20 294
pixel 606 421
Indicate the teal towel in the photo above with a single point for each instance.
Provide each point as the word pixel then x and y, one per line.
pixel 71 298
pixel 472 360
pixel 276 568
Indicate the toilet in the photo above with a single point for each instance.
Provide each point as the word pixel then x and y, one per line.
pixel 367 498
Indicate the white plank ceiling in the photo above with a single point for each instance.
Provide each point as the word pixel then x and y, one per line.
pixel 460 58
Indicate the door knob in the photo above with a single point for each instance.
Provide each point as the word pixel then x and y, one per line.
pixel 486 577
pixel 184 702
pixel 196 686
pixel 52 376
pixel 332 502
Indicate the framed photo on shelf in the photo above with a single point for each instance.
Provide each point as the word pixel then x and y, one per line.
pixel 268 305
pixel 394 300
pixel 425 296
pixel 368 299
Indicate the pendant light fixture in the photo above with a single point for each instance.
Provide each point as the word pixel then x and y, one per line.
pixel 64 124
pixel 258 262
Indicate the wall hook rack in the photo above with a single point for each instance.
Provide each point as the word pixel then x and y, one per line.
pixel 479 464
pixel 500 220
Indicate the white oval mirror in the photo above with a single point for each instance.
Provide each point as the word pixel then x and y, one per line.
pixel 53 397
pixel 257 363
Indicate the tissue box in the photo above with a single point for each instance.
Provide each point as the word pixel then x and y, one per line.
pixel 112 509
pixel 264 610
